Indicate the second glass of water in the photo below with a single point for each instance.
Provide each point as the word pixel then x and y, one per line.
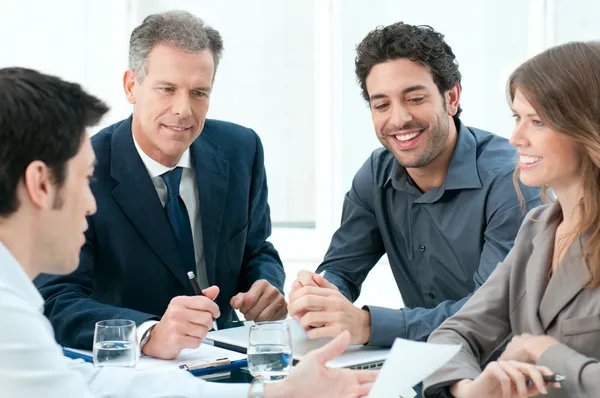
pixel 269 351
pixel 115 343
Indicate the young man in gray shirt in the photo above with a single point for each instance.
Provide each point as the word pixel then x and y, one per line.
pixel 438 198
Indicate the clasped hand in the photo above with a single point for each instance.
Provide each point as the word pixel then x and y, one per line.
pixel 323 311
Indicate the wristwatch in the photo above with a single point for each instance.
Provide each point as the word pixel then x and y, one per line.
pixel 257 389
pixel 145 337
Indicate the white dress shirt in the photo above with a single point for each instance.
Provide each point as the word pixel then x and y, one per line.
pixel 188 190
pixel 32 363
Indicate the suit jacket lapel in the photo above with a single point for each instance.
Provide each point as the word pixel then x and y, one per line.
pixel 212 177
pixel 538 267
pixel 567 281
pixel 137 197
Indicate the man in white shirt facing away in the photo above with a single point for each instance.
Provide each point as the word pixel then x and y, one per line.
pixel 46 164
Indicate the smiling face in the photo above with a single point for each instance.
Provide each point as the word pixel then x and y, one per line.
pixel 546 157
pixel 171 102
pixel 411 119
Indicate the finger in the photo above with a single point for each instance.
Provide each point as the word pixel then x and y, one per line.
pixel 305 278
pixel 201 303
pixel 195 330
pixel 185 341
pixel 187 308
pixel 323 283
pixel 517 377
pixel 308 291
pixel 331 349
pixel 308 303
pixel 267 314
pixel 363 390
pixel 317 291
pixel 544 370
pixel 533 373
pixel 237 301
pixel 195 317
pixel 211 292
pixel 254 294
pixel 365 376
pixel 266 298
pixel 325 331
pixel 494 371
pixel 316 319
pixel 281 312
pixel 273 302
pixel 295 287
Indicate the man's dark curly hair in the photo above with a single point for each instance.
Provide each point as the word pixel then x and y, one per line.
pixel 418 43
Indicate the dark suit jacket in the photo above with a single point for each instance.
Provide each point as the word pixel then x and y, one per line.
pixel 518 298
pixel 130 266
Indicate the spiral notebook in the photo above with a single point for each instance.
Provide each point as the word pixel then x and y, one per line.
pixel 204 360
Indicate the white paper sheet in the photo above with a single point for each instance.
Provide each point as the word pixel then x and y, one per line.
pixel 408 364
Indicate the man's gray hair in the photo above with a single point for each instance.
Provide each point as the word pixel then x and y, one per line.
pixel 179 29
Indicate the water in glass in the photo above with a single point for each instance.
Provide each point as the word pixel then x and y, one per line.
pixel 115 353
pixel 270 351
pixel 270 361
pixel 115 343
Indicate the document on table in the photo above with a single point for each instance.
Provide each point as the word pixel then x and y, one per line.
pixel 205 356
pixel 408 364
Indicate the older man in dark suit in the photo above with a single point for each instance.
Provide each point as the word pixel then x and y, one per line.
pixel 176 193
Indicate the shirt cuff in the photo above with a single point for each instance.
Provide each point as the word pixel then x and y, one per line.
pixel 331 277
pixel 563 360
pixel 143 328
pixel 386 325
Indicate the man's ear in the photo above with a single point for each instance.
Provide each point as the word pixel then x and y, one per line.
pixel 129 82
pixel 452 98
pixel 38 185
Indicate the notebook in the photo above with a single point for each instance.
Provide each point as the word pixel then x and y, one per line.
pixel 355 357
pixel 204 360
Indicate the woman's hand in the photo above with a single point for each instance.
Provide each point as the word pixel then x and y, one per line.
pixel 505 379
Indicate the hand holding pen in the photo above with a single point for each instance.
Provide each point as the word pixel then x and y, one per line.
pixel 184 324
pixel 198 291
pixel 507 378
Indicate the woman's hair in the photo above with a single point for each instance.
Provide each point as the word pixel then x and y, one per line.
pixel 563 86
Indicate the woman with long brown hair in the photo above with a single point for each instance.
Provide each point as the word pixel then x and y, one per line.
pixel 545 296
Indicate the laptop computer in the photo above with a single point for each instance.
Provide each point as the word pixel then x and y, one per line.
pixel 355 357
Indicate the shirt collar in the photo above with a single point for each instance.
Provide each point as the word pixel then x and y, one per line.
pixel 15 277
pixel 156 169
pixel 462 170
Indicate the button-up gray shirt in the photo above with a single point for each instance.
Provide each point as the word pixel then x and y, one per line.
pixel 441 244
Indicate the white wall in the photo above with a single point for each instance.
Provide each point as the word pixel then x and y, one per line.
pixel 83 41
pixel 486 47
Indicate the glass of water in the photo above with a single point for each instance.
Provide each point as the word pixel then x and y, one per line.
pixel 115 343
pixel 270 351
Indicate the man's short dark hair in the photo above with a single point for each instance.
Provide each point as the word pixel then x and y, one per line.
pixel 42 118
pixel 419 43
